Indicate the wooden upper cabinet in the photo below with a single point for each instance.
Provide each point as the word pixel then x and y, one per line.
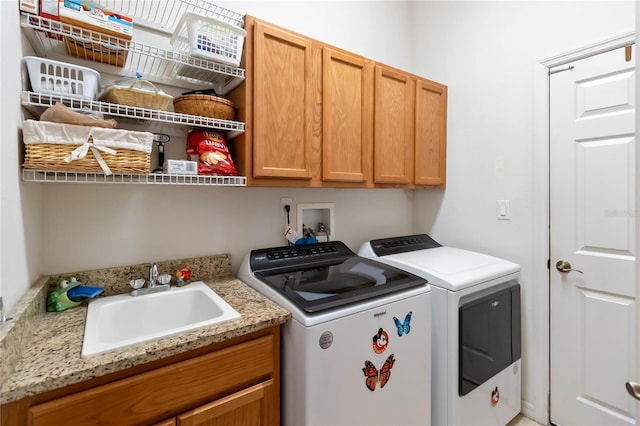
pixel 319 116
pixel 431 134
pixel 393 134
pixel 347 116
pixel 283 103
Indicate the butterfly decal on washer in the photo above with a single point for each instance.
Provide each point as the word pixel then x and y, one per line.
pixel 403 327
pixel 373 375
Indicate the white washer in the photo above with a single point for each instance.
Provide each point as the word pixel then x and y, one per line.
pixel 476 328
pixel 357 349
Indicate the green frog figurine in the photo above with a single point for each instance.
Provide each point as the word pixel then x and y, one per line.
pixel 69 294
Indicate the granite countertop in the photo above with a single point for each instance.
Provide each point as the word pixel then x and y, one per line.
pixel 51 356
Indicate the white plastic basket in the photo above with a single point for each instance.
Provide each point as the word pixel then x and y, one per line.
pixel 209 38
pixel 61 78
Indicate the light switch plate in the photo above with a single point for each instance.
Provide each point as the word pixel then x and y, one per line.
pixel 503 210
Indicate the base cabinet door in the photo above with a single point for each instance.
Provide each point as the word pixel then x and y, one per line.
pixel 248 407
pixel 168 422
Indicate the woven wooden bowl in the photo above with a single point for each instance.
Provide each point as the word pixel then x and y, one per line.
pixel 205 106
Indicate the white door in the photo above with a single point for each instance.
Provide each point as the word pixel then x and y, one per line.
pixel 592 229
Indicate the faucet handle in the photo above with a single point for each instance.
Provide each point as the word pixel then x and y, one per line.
pixel 164 279
pixel 136 284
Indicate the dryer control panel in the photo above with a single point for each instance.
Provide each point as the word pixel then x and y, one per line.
pixel 395 245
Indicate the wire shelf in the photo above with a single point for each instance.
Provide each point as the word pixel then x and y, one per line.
pixel 49 37
pixel 231 128
pixel 164 15
pixel 48 176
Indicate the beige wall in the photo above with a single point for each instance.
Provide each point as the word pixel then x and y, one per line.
pixel 485 51
pixel 488 58
pixel 20 204
pixel 57 228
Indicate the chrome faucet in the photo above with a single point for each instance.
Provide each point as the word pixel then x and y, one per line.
pixel 153 284
pixel 153 275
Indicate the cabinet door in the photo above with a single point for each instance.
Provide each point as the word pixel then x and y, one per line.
pixel 168 422
pixel 347 116
pixel 249 407
pixel 431 133
pixel 283 103
pixel 393 138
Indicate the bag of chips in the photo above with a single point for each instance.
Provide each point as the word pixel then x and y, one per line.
pixel 210 150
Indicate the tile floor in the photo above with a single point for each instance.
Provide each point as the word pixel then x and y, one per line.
pixel 521 420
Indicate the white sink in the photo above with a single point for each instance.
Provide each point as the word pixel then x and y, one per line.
pixel 123 320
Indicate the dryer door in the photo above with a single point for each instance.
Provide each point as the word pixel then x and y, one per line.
pixel 489 335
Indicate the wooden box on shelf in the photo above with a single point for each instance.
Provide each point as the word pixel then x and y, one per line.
pixel 102 35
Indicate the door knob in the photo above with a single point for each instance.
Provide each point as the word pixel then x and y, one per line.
pixel 633 389
pixel 564 266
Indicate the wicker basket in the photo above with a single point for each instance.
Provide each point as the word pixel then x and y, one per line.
pixel 55 146
pixel 205 106
pixel 134 94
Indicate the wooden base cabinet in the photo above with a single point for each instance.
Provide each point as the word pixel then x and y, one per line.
pixel 233 385
pixel 249 407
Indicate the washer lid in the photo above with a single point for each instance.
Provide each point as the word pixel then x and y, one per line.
pixel 394 245
pixel 451 268
pixel 323 276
